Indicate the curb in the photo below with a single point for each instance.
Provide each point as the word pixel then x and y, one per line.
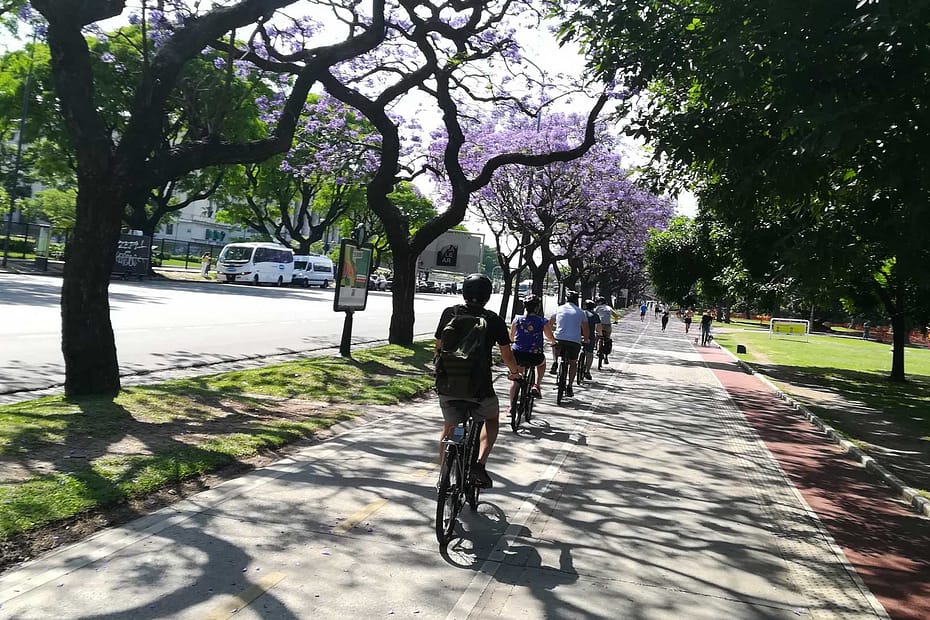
pixel 915 500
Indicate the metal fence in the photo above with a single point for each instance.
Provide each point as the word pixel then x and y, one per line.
pixel 22 238
pixel 190 252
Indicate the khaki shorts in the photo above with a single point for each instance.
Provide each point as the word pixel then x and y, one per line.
pixel 488 408
pixel 605 329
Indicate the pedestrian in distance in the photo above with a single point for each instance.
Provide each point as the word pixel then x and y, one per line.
pixel 706 320
pixel 642 311
pixel 465 338
pixel 689 315
pixel 658 310
pixel 664 319
pixel 205 261
pixel 527 333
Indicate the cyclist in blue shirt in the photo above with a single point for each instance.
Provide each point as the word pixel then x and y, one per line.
pixel 571 331
pixel 527 333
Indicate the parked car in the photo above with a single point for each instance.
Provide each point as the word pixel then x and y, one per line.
pixel 377 282
pixel 428 286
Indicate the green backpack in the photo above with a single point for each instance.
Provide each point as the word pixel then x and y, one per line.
pixel 463 364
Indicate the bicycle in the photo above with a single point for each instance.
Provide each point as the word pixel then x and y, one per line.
pixel 580 368
pixel 562 374
pixel 457 485
pixel 604 344
pixel 521 405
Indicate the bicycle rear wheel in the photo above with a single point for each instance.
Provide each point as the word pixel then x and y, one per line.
pixel 563 379
pixel 448 503
pixel 528 407
pixel 471 486
pixel 579 370
pixel 516 404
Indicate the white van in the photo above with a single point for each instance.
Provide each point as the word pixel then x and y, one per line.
pixel 256 263
pixel 313 269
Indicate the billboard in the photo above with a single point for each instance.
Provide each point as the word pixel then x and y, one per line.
pixel 352 277
pixel 453 251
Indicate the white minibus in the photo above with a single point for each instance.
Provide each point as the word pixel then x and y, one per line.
pixel 256 263
pixel 313 270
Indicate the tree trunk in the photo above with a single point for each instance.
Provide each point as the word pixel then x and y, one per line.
pixel 403 290
pixel 899 340
pixel 87 343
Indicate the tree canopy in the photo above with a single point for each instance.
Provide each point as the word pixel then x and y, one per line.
pixel 797 116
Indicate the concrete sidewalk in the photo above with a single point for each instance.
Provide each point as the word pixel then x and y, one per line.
pixel 648 496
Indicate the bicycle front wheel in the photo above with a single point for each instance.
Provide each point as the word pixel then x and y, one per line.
pixel 447 499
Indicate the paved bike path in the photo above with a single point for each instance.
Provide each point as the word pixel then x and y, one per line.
pixel 648 496
pixel 886 542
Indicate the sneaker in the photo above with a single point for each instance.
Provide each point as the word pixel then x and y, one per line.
pixel 554 370
pixel 536 392
pixel 606 362
pixel 569 392
pixel 480 475
pixel 588 376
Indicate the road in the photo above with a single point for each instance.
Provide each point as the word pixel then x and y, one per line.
pixel 164 325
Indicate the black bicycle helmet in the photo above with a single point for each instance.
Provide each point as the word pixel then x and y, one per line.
pixel 571 297
pixel 588 305
pixel 476 289
pixel 601 300
pixel 532 303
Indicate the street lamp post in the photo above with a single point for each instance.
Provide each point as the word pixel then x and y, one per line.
pixel 14 178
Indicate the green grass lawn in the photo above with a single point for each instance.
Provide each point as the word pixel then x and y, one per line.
pixel 182 429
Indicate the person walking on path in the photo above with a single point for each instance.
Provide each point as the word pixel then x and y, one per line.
pixel 706 320
pixel 642 311
pixel 205 261
pixel 665 319
pixel 689 314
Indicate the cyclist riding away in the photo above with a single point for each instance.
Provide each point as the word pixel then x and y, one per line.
pixel 571 331
pixel 527 333
pixel 606 314
pixel 593 322
pixel 476 290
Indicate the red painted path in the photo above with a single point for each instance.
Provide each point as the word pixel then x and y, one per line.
pixel 888 544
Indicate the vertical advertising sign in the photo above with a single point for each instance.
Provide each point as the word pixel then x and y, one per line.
pixel 352 277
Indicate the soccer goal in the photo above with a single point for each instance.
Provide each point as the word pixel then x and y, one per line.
pixel 790 327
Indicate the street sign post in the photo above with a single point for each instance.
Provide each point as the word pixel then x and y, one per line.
pixel 351 286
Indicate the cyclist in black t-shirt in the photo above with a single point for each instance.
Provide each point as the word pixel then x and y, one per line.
pixel 477 291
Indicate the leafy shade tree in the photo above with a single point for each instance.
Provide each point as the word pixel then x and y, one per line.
pixel 675 261
pixel 412 204
pixel 586 211
pixel 454 55
pixel 784 108
pixel 295 198
pixel 119 165
pixel 54 205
